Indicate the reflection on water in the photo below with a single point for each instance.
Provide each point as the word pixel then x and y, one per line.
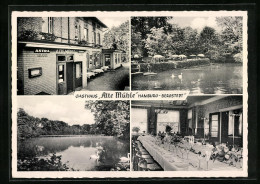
pixel 211 79
pixel 77 152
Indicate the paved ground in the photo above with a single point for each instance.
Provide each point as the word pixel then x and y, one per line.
pixel 110 80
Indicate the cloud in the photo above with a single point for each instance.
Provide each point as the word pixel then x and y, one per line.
pixel 200 23
pixel 113 21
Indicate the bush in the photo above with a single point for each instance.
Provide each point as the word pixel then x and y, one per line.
pixel 165 66
pixel 35 164
pixel 238 58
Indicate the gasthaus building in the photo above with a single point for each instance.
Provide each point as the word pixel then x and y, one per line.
pixel 55 53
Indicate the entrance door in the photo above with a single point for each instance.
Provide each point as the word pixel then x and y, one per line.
pixel 61 79
pixel 107 60
pixel 78 74
pixel 69 75
pixel 224 127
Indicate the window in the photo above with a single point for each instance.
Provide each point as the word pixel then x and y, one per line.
pixel 172 118
pixel 94 37
pixel 78 70
pixel 61 76
pixel 70 58
pixel 116 58
pixel 139 119
pixel 99 42
pixel 235 123
pixel 79 33
pixel 61 58
pixel 47 25
pixel 190 118
pixel 50 21
pixel 35 72
pixel 85 34
pixel 214 125
pixel 76 32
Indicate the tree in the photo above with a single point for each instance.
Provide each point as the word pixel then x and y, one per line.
pixel 117 37
pixel 232 31
pixel 142 26
pixel 136 44
pixel 210 43
pixel 111 117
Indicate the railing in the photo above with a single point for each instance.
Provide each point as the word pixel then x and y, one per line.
pixel 30 35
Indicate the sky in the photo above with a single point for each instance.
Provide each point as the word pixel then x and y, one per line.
pixel 65 109
pixel 196 22
pixel 113 21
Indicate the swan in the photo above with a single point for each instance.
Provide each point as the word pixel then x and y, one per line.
pixel 95 156
pixel 99 147
pixel 125 159
pixel 39 148
pixel 173 76
pixel 180 76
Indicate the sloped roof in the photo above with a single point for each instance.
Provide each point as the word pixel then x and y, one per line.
pixel 97 20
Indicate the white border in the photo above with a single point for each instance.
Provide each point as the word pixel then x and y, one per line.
pixel 126 174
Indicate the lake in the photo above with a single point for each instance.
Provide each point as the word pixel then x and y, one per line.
pixel 76 151
pixel 210 79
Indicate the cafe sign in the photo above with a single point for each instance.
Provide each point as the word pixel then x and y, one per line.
pixel 41 51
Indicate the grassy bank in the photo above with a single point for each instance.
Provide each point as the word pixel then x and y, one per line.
pixel 170 65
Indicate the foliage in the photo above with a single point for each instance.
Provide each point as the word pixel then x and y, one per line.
pixel 111 117
pixel 28 35
pixel 29 127
pixel 141 27
pixel 165 66
pixel 48 164
pixel 232 32
pixel 161 37
pixel 117 37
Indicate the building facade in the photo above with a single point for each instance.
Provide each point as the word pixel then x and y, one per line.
pixel 55 53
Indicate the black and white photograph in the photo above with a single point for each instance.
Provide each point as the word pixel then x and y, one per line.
pixel 202 54
pixel 60 55
pixel 107 94
pixel 69 135
pixel 201 133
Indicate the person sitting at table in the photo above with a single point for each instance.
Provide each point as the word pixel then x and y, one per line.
pixel 159 134
pixel 162 135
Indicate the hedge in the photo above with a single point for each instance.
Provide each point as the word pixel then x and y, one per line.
pixel 159 67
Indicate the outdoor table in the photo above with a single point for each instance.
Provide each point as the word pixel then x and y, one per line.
pixel 98 71
pixel 90 74
pixel 170 161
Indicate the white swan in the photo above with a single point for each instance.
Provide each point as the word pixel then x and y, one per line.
pixel 95 156
pixel 125 159
pixel 180 76
pixel 39 148
pixel 173 76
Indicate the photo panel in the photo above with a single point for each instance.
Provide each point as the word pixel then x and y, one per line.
pixel 201 133
pixel 63 134
pixel 94 93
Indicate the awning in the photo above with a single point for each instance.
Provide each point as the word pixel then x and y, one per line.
pixel 54 45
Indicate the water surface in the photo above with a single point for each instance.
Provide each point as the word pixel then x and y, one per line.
pixel 76 151
pixel 210 79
